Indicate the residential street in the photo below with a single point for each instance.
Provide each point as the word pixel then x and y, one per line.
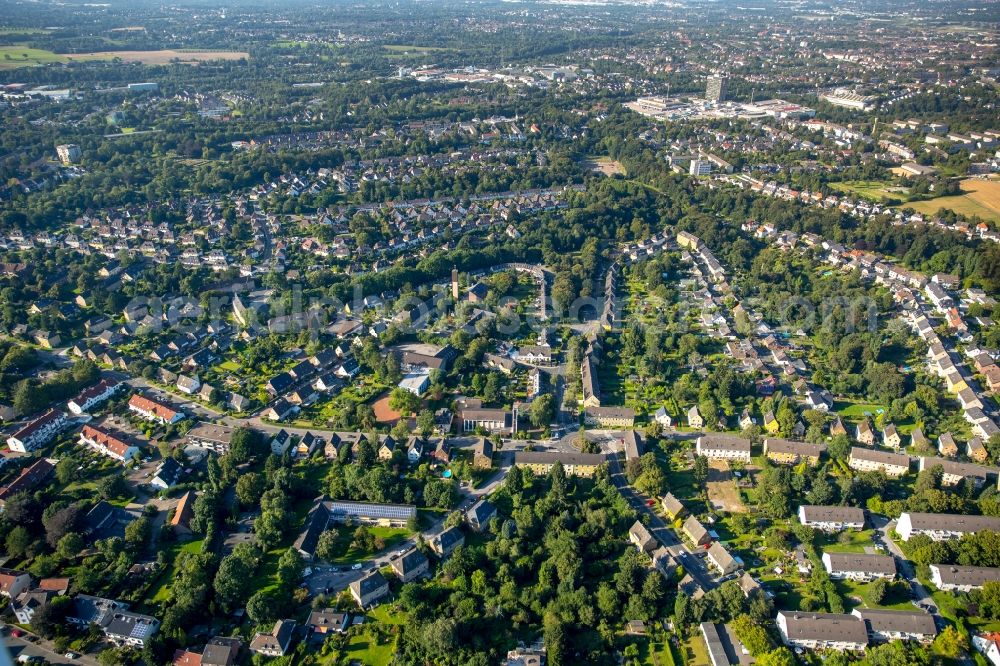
pixel 660 529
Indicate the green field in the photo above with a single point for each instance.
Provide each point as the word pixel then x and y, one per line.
pixel 873 190
pixel 16 55
pixel 411 48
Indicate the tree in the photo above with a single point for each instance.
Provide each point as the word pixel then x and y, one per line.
pixel 752 635
pixel 779 657
pixel 290 568
pixel 245 444
pixel 249 488
pixel 137 532
pixel 18 541
pixel 404 402
pixel 49 618
pixel 989 601
pixel 266 606
pixel 59 522
pixel 542 410
pixel 700 470
pixel 328 545
pixel 425 422
pixel 878 591
pixel 234 578
pixel 950 643
pixel 111 486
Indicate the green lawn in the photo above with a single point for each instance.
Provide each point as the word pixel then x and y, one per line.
pixel 852 592
pixel 363 648
pixel 160 591
pixel 845 542
pixel 857 410
pixel 696 652
pixel 351 555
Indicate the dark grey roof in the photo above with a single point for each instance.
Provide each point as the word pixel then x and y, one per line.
pixel 885 621
pixel 450 538
pixel 316 522
pixel 131 625
pixel 482 511
pixel 412 559
pixel 954 574
pixel 862 562
pixel 169 471
pixel 825 627
pixel 552 457
pixel 832 514
pixel 368 584
pixel 952 522
pixel 881 457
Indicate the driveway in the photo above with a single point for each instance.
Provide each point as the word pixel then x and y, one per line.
pixel 884 526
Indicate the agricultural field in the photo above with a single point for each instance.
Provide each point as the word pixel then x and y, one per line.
pixel 16 55
pixel 161 57
pixel 981 198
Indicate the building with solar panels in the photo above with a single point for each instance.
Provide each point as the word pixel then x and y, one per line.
pixel 396 515
pixel 127 628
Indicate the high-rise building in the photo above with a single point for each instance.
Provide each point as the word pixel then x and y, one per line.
pixel 700 167
pixel 68 153
pixel 715 89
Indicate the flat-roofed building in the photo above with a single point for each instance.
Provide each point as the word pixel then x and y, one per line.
pixel 576 464
pixel 860 567
pixel 724 447
pixel 788 452
pixel 894 465
pixel 822 631
pixel 713 641
pixel 489 420
pixel 943 526
pixel 953 577
pixel 832 518
pixel 211 437
pixel 896 625
pixel 370 512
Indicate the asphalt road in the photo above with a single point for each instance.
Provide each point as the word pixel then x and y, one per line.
pixel 665 534
pixel 905 567
pixel 18 646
